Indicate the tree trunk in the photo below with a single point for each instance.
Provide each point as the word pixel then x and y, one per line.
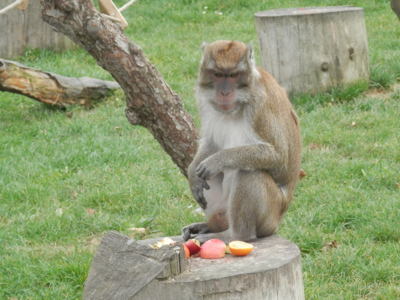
pixel 150 101
pixel 52 88
pixel 395 4
pixel 310 50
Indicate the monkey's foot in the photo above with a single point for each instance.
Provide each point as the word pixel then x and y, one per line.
pixel 193 230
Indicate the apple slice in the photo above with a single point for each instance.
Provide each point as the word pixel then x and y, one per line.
pixel 240 248
pixel 212 249
pixel 193 246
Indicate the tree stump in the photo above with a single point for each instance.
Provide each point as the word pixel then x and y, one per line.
pixel 127 269
pixel 310 50
pixel 21 29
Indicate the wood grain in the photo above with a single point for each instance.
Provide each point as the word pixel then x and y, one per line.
pixel 122 270
pixel 310 50
pixel 21 29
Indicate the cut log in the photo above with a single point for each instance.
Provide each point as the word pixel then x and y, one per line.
pixel 52 88
pixel 127 269
pixel 310 50
pixel 24 28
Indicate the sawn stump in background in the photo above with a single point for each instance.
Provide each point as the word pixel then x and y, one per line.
pixel 21 29
pixel 310 50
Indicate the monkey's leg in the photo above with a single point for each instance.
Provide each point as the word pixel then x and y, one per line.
pixel 254 208
pixel 215 211
pixel 257 206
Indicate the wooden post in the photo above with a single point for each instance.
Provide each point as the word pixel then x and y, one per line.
pixel 21 29
pixel 309 50
pixel 127 269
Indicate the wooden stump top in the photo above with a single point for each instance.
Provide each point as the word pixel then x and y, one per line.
pixel 269 254
pixel 127 269
pixel 288 12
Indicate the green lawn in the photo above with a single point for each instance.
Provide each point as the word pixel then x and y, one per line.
pixel 64 181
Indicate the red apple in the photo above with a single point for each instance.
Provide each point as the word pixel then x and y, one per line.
pixel 213 248
pixel 193 246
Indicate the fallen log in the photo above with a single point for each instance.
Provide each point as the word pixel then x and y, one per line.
pixel 52 88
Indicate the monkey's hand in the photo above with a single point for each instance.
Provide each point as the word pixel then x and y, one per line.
pixel 197 188
pixel 192 230
pixel 209 167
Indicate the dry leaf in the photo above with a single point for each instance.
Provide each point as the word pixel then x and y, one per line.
pixel 330 245
pixel 199 211
pixel 163 242
pixel 302 174
pixel 95 241
pixel 314 146
pixel 137 229
pixel 90 211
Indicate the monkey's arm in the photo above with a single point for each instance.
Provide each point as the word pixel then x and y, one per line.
pixel 196 183
pixel 262 156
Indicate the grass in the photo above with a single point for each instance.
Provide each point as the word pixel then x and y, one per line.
pixel 64 181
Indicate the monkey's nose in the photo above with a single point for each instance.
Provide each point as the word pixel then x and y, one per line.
pixel 226 93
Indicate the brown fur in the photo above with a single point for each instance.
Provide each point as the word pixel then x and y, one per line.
pixel 259 174
pixel 227 54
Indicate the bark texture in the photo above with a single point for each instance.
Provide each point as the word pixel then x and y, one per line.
pixel 127 269
pixel 150 101
pixel 311 50
pixel 52 88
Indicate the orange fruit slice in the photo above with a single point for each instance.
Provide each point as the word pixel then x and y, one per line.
pixel 240 248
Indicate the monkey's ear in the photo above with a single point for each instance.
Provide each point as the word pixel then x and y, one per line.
pixel 203 45
pixel 250 54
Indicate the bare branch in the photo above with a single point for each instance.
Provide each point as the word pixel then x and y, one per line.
pixel 126 5
pixel 150 101
pixel 21 4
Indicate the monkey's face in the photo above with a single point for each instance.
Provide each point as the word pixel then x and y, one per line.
pixel 225 87
pixel 225 73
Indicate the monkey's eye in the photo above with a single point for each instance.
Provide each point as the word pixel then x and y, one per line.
pixel 234 75
pixel 218 75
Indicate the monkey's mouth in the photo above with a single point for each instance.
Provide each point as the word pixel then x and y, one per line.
pixel 227 106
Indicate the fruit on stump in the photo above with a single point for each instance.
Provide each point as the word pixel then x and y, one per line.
pixel 187 251
pixel 193 246
pixel 240 248
pixel 213 248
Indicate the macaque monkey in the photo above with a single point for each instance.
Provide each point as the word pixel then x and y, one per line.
pixel 248 161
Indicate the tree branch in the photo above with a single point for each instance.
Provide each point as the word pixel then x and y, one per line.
pixel 150 101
